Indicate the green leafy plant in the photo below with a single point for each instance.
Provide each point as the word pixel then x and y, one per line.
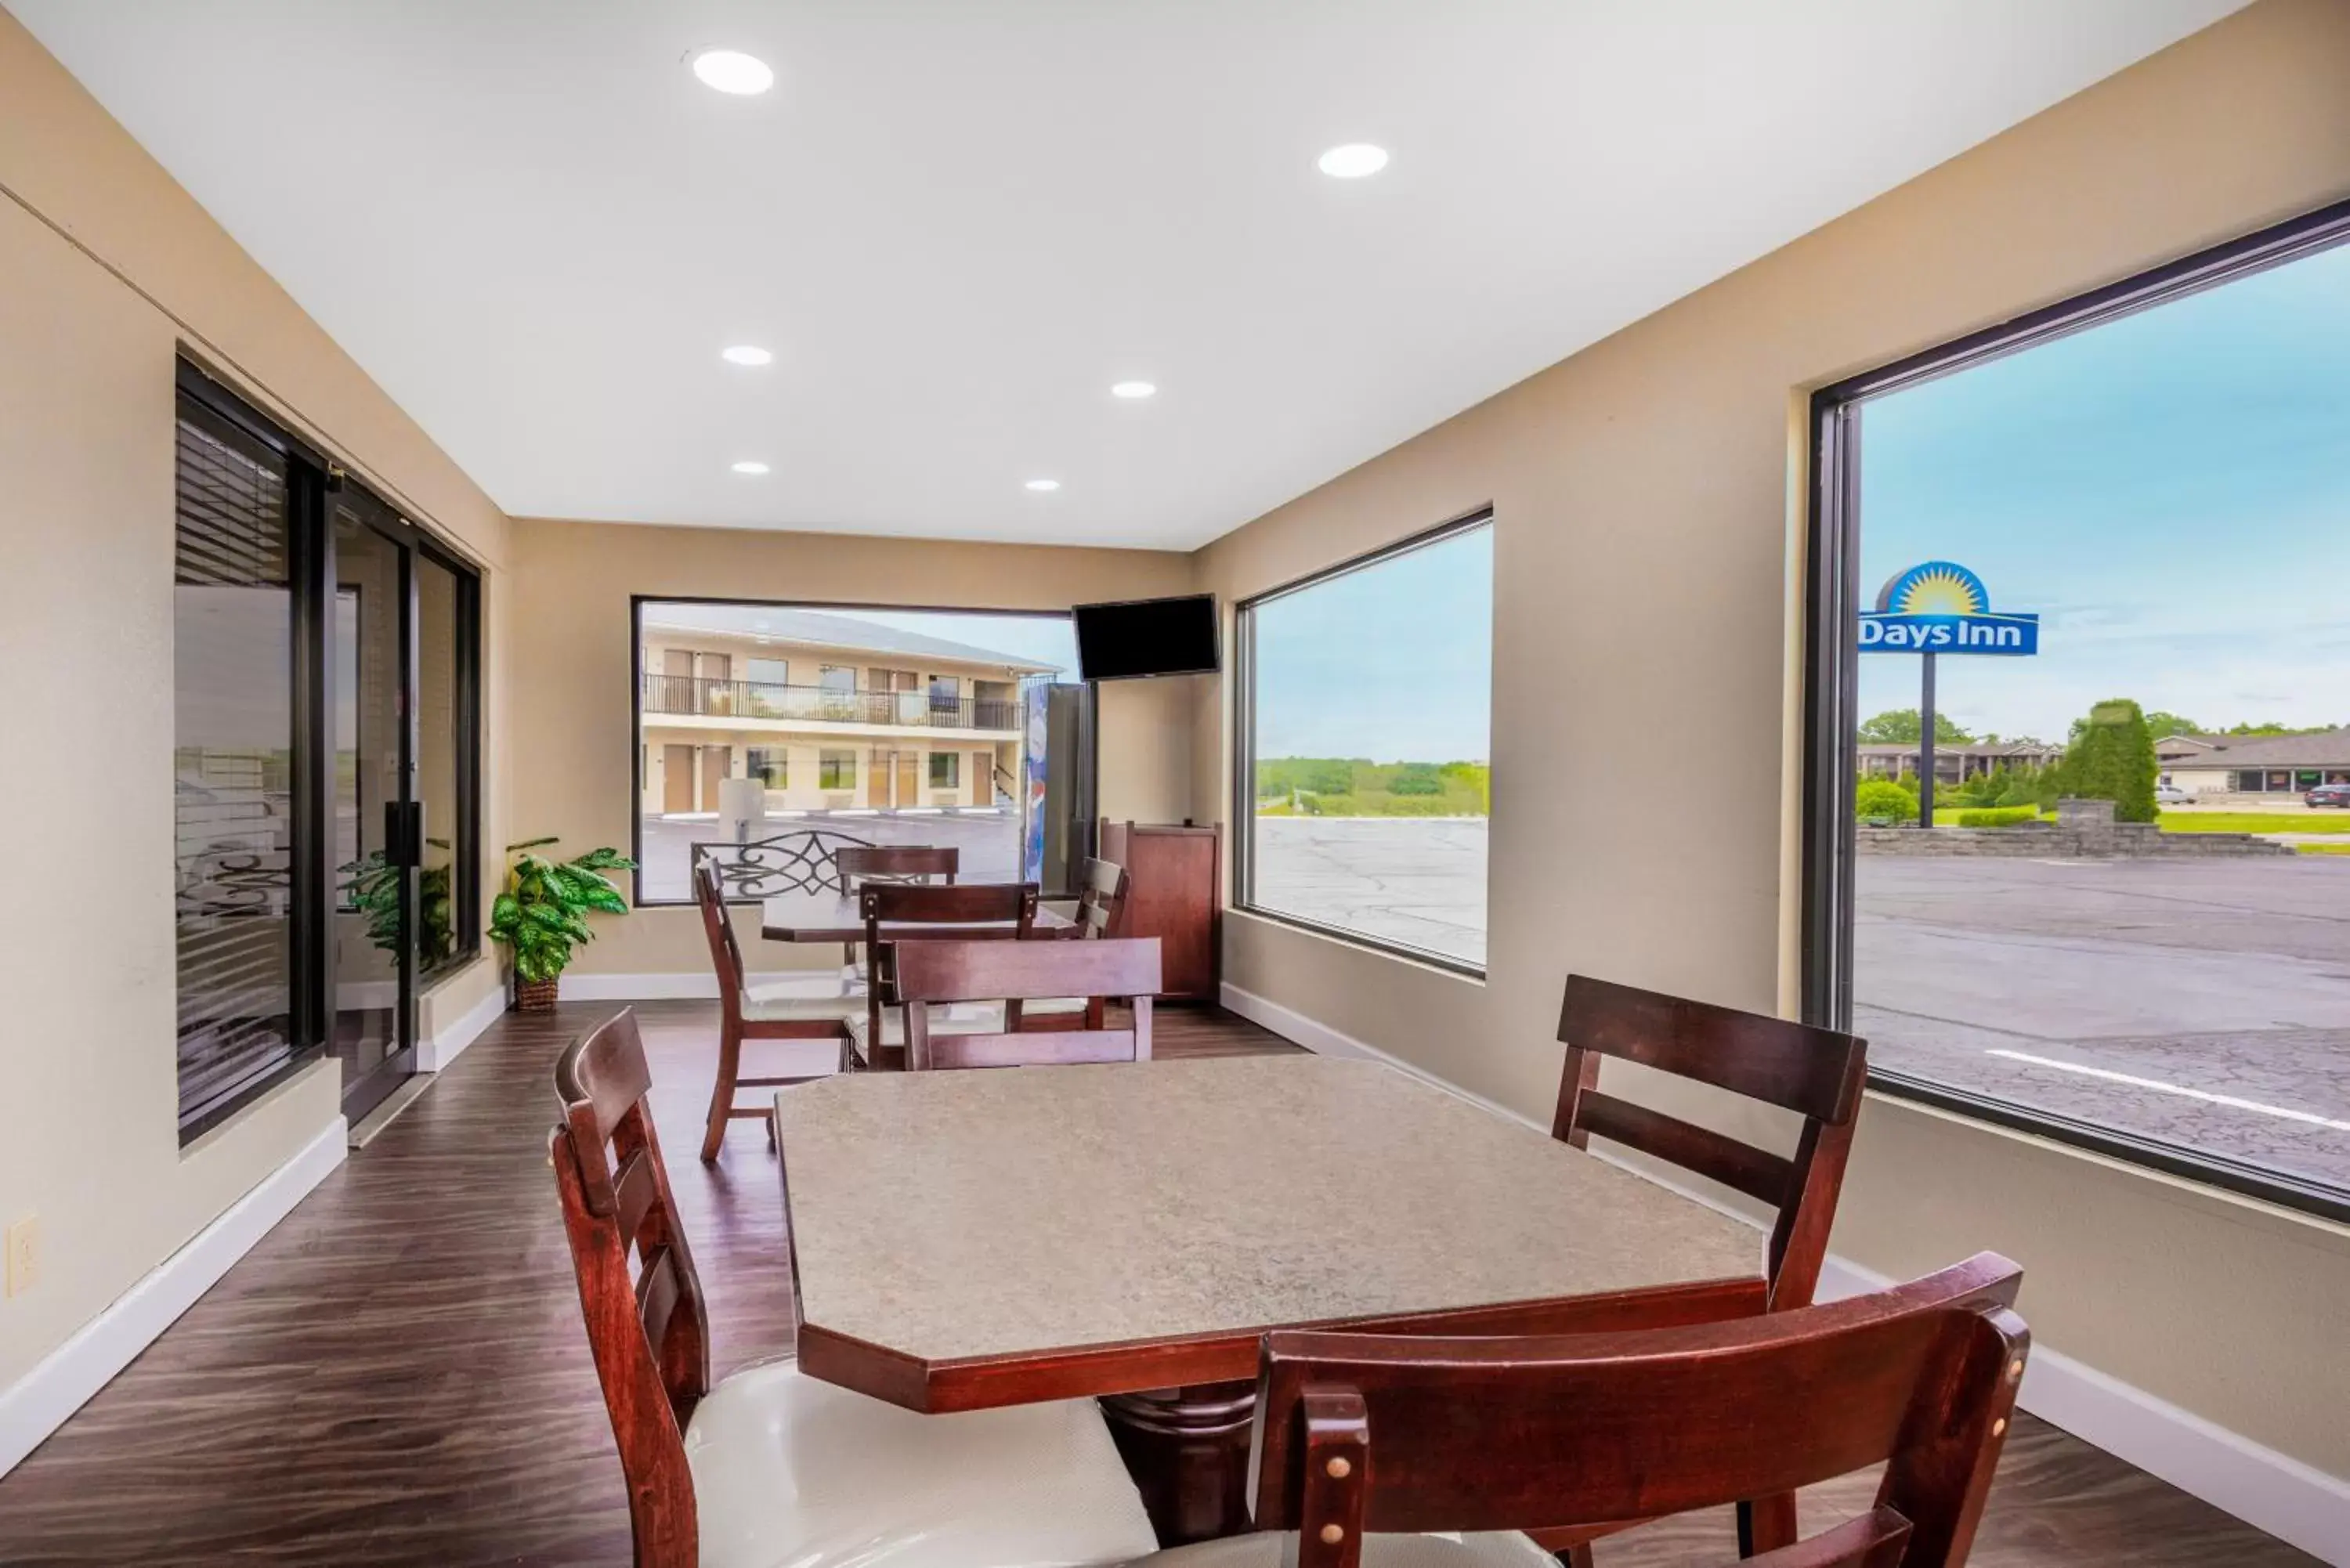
pixel 542 913
pixel 373 892
pixel 1883 803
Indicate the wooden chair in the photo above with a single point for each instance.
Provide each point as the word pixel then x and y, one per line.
pixel 1101 899
pixel 817 1007
pixel 770 1465
pixel 930 973
pixel 879 1036
pixel 856 865
pixel 1359 1434
pixel 1818 1074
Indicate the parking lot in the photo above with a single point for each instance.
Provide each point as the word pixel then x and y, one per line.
pixel 2204 1002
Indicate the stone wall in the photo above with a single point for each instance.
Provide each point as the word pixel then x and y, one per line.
pixel 2083 830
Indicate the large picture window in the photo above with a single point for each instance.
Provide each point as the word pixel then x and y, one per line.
pixel 2092 881
pixel 1366 776
pixel 913 727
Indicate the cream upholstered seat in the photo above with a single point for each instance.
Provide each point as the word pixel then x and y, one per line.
pixel 962 1018
pixel 1278 1549
pixel 793 1472
pixel 815 996
pixel 1051 1006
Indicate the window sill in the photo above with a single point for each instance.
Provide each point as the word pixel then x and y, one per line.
pixel 1457 968
pixel 2230 1176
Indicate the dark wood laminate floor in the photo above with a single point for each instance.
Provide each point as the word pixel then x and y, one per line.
pixel 397 1373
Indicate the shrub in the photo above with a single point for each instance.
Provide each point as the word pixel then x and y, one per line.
pixel 1983 789
pixel 1882 800
pixel 2112 758
pixel 1999 816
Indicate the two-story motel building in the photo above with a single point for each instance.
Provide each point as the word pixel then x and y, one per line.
pixel 833 712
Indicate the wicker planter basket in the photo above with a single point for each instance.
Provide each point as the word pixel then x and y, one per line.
pixel 535 995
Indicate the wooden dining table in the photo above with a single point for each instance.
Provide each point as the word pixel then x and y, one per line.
pixel 834 918
pixel 967 1240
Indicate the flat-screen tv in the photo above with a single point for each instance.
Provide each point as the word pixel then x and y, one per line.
pixel 1147 636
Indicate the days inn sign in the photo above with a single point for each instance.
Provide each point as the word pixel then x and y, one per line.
pixel 1939 606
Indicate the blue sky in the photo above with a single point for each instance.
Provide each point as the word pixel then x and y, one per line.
pixel 1391 663
pixel 2171 492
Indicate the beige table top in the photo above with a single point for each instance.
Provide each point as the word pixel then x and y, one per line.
pixel 1015 1214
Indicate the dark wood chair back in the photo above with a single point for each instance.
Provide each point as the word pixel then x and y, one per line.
pixel 1818 1074
pixel 1401 1432
pixel 859 864
pixel 725 947
pixel 915 903
pixel 1101 896
pixel 1009 973
pixel 648 1327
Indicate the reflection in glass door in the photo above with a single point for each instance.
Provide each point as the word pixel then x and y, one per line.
pixel 371 954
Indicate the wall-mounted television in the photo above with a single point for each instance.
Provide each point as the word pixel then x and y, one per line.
pixel 1147 636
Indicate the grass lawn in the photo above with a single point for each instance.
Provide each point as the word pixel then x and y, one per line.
pixel 2324 848
pixel 2252 822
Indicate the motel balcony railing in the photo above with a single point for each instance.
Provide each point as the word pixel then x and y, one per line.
pixel 698 697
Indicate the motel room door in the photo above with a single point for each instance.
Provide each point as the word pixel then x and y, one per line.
pixel 910 780
pixel 677 779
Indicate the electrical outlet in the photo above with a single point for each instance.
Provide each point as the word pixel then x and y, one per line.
pixel 24 1254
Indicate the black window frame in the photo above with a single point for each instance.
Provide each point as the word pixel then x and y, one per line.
pixel 1089 762
pixel 1832 596
pixel 1243 812
pixel 312 478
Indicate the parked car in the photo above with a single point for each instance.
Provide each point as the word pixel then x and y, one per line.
pixel 2328 795
pixel 2169 794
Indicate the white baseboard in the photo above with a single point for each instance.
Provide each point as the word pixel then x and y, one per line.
pixel 447 1044
pixel 2297 1504
pixel 38 1403
pixel 2272 1491
pixel 1324 1041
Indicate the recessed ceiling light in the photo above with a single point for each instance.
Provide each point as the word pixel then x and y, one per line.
pixel 747 354
pixel 1043 484
pixel 750 465
pixel 1132 389
pixel 1353 160
pixel 731 70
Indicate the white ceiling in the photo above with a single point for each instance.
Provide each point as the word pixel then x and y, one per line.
pixel 957 221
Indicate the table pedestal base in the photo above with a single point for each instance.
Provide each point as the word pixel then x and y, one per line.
pixel 1187 1451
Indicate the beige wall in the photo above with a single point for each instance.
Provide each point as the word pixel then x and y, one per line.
pixel 1643 491
pixel 570 735
pixel 110 269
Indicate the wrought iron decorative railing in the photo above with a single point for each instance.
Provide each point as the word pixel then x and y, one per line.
pixel 797 862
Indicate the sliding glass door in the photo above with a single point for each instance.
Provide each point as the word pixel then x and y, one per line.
pixel 325 766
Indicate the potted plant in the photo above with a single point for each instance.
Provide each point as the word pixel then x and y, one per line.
pixel 543 914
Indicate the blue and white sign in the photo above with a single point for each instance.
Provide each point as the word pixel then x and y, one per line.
pixel 1939 606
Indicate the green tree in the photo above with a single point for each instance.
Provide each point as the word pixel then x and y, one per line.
pixel 1416 778
pixel 2112 758
pixel 1901 727
pixel 2162 725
